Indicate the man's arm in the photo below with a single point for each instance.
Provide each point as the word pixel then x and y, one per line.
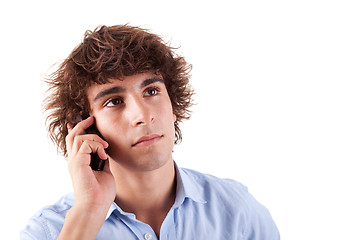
pixel 82 223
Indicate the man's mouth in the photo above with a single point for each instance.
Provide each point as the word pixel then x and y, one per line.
pixel 147 140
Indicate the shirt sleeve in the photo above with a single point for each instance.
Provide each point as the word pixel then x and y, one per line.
pixel 34 230
pixel 261 225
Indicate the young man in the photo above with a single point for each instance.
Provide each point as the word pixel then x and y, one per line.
pixel 135 90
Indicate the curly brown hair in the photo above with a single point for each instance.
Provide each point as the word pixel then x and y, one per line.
pixel 113 52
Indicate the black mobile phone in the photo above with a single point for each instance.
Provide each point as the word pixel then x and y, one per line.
pixel 96 162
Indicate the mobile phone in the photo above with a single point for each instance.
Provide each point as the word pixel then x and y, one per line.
pixel 96 162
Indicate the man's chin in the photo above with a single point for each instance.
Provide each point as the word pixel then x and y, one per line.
pixel 142 164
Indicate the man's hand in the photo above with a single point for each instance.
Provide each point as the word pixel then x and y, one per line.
pixel 94 190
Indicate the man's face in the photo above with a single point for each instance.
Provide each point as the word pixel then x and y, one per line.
pixel 135 116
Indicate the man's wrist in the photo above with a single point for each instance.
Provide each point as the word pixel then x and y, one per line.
pixel 83 222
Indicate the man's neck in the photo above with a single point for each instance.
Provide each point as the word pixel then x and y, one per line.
pixel 149 195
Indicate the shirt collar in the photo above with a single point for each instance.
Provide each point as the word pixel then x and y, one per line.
pixel 186 187
pixel 115 207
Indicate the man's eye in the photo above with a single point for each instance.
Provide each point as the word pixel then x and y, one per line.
pixel 113 102
pixel 151 91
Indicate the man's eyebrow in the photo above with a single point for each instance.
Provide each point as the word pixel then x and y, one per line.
pixel 150 81
pixel 118 89
pixel 108 92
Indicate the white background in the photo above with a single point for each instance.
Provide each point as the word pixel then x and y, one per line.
pixel 277 109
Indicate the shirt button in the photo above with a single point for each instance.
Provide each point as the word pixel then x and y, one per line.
pixel 147 236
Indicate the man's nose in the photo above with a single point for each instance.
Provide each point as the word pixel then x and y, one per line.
pixel 138 112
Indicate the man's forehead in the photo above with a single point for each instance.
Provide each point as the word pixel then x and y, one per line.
pixel 132 80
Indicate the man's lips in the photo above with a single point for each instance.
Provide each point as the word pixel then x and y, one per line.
pixel 147 140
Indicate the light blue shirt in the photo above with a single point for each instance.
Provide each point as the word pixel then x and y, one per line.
pixel 205 207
